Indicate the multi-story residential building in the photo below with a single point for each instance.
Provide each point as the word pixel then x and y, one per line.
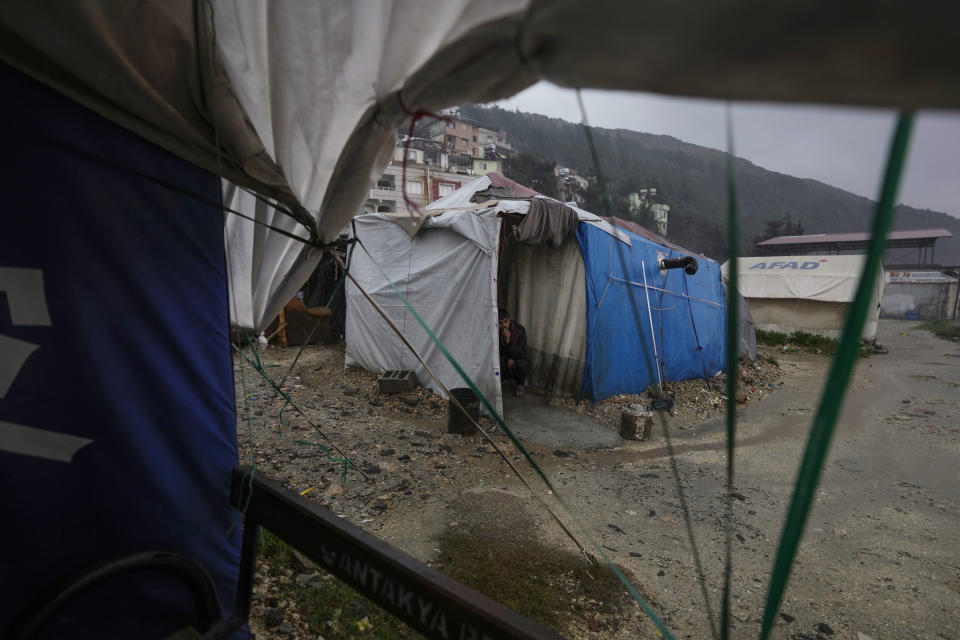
pixel 449 153
pixel 571 186
pixel 418 173
pixel 467 137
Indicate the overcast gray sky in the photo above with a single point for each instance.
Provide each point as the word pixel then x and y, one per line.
pixel 843 147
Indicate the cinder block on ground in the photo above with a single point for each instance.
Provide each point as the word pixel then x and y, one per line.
pixel 397 381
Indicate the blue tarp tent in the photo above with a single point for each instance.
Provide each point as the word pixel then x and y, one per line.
pixel 635 309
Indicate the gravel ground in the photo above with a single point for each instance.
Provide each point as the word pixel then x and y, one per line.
pixel 402 457
pixel 879 555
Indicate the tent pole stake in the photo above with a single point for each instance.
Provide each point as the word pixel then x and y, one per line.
pixel 653 335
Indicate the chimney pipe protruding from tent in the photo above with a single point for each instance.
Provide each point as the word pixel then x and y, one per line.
pixel 687 263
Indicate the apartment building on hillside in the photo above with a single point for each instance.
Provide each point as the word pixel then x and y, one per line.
pixel 442 157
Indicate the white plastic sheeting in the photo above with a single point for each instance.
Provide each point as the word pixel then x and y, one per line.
pixel 460 197
pixel 447 273
pixel 546 293
pixel 805 293
pixel 265 268
pixel 307 72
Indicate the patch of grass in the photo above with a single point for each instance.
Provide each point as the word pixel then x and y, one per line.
pixel 332 609
pixel 799 340
pixel 275 550
pixel 771 338
pixel 551 587
pixel 337 612
pixel 949 329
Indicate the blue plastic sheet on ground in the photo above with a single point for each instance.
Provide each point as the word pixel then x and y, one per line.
pixel 686 315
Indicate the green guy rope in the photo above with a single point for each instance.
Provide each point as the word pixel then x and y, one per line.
pixel 838 380
pixel 733 312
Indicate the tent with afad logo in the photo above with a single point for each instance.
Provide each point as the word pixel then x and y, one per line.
pixel 810 294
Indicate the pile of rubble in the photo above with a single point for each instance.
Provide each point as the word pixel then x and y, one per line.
pixel 692 400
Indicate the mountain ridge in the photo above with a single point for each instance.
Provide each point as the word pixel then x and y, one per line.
pixel 691 178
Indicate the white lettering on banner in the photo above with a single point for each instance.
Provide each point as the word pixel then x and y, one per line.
pixel 405 600
pixel 25 296
pixel 13 355
pixel 40 443
pixel 27 302
pixel 376 578
pixel 389 593
pixel 440 624
pixel 415 607
pixel 425 608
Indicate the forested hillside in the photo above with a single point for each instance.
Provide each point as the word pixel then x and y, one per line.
pixel 692 180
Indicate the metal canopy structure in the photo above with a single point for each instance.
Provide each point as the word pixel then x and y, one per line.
pixel 903 243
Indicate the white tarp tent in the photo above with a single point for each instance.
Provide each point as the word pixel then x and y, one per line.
pixel 448 272
pixel 811 294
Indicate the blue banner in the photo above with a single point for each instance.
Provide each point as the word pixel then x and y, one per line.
pixel 117 418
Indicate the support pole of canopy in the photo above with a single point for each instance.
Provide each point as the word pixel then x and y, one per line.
pixel 653 336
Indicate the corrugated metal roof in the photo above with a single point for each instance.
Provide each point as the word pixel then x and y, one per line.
pixel 498 180
pixel 860 236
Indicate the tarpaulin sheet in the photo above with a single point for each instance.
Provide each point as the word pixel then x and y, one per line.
pixel 117 420
pixel 686 317
pixel 545 293
pixel 448 274
pixel 826 278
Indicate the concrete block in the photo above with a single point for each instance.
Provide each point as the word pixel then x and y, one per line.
pixel 397 381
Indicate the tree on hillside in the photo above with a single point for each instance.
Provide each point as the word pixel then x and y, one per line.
pixel 533 170
pixel 776 227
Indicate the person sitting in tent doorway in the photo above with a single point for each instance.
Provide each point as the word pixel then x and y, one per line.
pixel 514 357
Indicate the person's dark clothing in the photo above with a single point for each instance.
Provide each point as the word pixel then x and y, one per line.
pixel 514 349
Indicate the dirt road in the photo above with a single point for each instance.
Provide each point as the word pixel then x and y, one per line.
pixel 880 554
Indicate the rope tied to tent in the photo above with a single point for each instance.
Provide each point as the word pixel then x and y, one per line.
pixel 258 366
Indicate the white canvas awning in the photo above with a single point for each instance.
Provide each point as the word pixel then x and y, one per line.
pixel 300 101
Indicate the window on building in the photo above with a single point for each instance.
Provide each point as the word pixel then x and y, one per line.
pixel 482 165
pixel 463 142
pixel 474 138
pixel 445 189
pixel 384 208
pixel 414 188
pixel 412 156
